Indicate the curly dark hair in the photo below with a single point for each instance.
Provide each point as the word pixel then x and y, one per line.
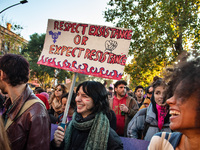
pixel 187 74
pixel 16 68
pixel 120 82
pixel 98 93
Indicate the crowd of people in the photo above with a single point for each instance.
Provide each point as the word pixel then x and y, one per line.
pixel 165 113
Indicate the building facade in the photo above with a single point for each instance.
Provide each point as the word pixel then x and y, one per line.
pixel 11 42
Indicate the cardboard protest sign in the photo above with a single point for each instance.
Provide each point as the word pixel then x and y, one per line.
pixel 89 49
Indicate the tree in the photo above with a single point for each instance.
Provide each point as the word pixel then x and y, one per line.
pixel 162 31
pixel 45 74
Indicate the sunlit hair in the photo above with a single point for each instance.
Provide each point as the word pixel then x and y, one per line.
pixel 99 95
pixel 16 68
pixel 4 142
pixel 187 74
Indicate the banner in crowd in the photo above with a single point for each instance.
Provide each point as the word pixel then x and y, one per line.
pixel 89 49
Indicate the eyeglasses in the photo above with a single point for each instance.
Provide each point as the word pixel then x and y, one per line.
pixel 58 90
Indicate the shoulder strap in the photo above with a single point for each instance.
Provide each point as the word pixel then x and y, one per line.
pixel 27 105
pixel 164 136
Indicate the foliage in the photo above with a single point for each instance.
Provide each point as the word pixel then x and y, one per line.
pixel 45 74
pixel 162 30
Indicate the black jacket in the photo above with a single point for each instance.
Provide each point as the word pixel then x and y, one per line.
pixel 79 139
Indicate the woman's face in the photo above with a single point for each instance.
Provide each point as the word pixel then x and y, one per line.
pixel 183 113
pixel 159 94
pixel 84 103
pixel 64 101
pixel 58 91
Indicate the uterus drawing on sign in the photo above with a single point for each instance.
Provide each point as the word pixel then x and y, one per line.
pixel 110 45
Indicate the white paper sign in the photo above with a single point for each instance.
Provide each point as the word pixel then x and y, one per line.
pixel 85 48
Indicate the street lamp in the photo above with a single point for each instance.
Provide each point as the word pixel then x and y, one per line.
pixel 21 2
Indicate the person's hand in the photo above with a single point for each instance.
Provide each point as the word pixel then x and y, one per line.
pixel 124 108
pixel 59 136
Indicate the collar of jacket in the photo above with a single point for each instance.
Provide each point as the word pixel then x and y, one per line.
pixel 26 94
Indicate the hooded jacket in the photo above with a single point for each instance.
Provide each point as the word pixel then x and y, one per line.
pixel 147 119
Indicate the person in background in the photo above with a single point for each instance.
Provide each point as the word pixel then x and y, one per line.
pixel 147 99
pixel 46 95
pixel 2 100
pixel 44 99
pixel 38 90
pixel 145 103
pixel 4 142
pixel 55 102
pixel 105 83
pixel 124 106
pixel 149 92
pixel 110 92
pixel 129 92
pixel 31 129
pixel 71 108
pixel 89 127
pixel 112 117
pixel 152 119
pixel 139 93
pixel 183 93
pixel 49 92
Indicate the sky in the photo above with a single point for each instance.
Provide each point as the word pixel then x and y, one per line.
pixel 33 16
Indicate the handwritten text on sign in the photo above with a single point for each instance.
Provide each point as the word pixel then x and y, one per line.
pixel 88 49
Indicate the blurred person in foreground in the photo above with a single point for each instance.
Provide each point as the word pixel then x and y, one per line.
pixel 89 127
pixel 31 129
pixel 184 105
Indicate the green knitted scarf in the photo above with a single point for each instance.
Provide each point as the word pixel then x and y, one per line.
pixel 99 132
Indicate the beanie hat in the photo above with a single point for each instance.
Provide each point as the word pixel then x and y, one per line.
pixel 44 99
pixel 45 94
